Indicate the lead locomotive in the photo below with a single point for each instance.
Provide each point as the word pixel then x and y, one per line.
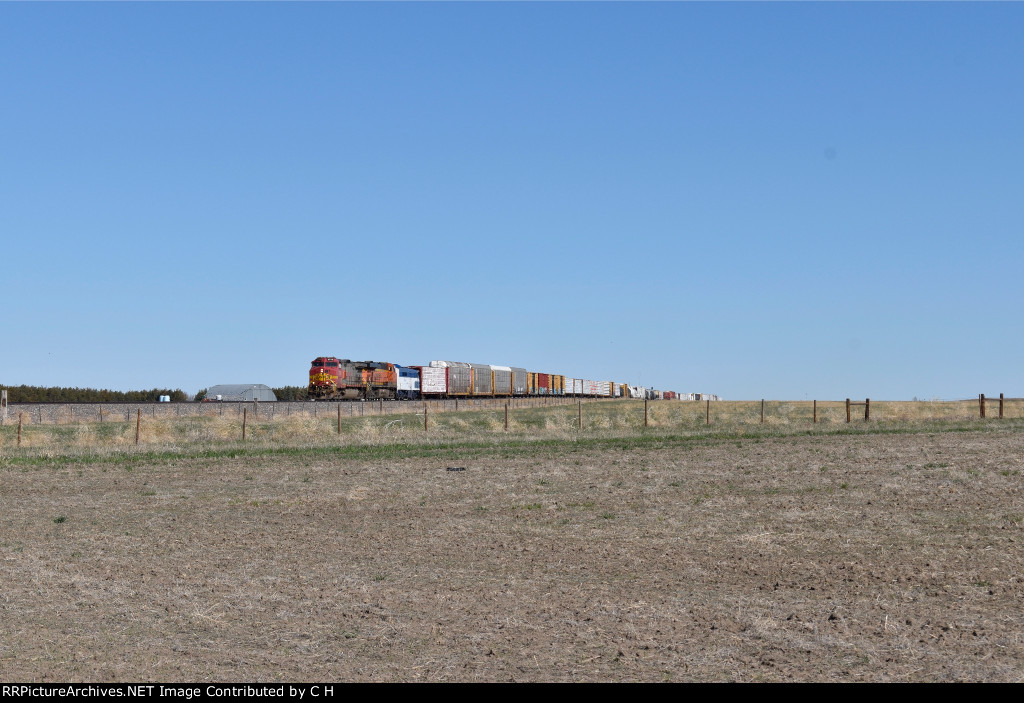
pixel 333 379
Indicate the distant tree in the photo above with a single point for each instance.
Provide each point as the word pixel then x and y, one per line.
pixel 201 395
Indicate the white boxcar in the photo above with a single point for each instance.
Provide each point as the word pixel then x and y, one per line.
pixel 601 389
pixel 433 379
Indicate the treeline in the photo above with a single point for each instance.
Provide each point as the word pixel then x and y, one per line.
pixel 39 394
pixel 292 393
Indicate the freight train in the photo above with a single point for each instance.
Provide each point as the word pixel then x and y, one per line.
pixel 331 378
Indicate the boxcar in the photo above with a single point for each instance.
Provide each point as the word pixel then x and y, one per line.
pixel 433 380
pixel 539 384
pixel 558 384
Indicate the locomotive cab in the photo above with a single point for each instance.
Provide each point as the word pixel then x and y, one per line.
pixel 323 377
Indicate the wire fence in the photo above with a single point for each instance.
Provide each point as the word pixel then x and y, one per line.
pixel 75 413
pixel 98 425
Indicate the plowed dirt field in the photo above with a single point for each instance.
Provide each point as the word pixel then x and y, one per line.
pixel 874 557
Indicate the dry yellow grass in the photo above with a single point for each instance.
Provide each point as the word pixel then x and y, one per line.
pixel 621 418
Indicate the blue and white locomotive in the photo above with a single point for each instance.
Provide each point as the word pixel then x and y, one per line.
pixel 408 382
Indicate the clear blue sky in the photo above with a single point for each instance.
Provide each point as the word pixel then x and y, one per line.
pixel 755 200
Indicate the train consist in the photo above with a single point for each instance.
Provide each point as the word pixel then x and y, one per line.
pixel 331 378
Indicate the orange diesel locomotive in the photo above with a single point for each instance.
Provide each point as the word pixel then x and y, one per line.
pixel 331 379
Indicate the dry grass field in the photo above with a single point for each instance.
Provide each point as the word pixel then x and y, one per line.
pixel 736 551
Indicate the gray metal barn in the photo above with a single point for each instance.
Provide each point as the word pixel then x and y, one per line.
pixel 241 391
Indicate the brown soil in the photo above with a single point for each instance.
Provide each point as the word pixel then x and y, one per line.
pixel 873 557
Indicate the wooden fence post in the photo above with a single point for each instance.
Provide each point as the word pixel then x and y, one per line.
pixel 708 418
pixel 506 416
pixel 847 409
pixel 245 419
pixel 1000 406
pixel 815 411
pixel 19 429
pixel 580 416
pixel 339 419
pixel 867 409
pixel 138 424
pixel 981 404
pixel 762 411
pixel 645 412
pixel 426 414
